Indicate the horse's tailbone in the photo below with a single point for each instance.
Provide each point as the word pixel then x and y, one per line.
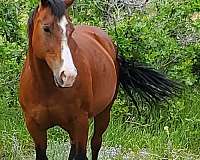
pixel 144 84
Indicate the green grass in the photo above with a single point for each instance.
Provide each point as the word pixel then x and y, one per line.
pixel 180 138
pixel 131 138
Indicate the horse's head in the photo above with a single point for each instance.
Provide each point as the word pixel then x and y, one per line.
pixel 49 35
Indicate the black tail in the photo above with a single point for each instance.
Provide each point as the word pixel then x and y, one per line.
pixel 136 79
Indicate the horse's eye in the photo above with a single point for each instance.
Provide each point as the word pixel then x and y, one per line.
pixel 47 28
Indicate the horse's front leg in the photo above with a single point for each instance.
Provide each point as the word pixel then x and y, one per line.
pixel 79 136
pixel 39 137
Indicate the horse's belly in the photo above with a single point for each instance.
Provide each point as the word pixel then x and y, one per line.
pixel 104 91
pixel 104 80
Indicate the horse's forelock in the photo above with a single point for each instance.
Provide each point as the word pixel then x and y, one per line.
pixel 57 7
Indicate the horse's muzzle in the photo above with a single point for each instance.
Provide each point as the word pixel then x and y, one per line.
pixel 65 79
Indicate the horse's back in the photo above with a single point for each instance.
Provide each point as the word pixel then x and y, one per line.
pixel 98 49
pixel 99 36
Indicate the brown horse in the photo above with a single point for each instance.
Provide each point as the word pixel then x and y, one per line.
pixel 72 74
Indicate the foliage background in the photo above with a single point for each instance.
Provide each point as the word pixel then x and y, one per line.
pixel 162 33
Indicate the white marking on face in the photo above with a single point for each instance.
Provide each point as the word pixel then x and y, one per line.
pixel 68 71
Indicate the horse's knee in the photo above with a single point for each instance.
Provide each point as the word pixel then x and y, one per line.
pixel 40 153
pixel 39 137
pixel 96 142
pixel 81 156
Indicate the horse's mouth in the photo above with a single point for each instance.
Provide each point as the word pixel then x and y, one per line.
pixel 56 82
pixel 60 83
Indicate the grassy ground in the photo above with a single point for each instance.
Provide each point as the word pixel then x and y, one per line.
pixel 179 139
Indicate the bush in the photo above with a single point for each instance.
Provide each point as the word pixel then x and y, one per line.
pixel 10 60
pixel 156 36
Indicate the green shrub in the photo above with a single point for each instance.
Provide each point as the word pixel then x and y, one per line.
pixel 156 36
pixel 10 60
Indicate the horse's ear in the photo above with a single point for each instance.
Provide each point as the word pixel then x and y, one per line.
pixel 68 3
pixel 44 2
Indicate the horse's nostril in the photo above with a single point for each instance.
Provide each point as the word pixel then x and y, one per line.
pixel 63 76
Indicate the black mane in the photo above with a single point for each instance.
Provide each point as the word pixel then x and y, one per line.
pixel 31 26
pixel 57 8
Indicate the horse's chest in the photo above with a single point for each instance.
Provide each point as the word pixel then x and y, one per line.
pixel 47 116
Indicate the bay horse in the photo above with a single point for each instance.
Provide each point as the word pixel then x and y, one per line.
pixel 72 74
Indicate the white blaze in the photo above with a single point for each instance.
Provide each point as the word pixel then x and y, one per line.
pixel 67 65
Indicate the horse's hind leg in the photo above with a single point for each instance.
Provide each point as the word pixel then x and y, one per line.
pixel 39 137
pixel 101 122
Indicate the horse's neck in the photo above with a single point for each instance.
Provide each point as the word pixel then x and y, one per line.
pixel 41 73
